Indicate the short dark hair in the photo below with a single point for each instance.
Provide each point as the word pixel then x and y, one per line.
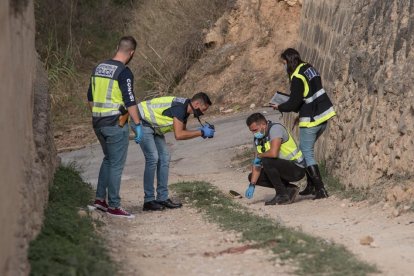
pixel 255 118
pixel 127 43
pixel 202 97
pixel 292 58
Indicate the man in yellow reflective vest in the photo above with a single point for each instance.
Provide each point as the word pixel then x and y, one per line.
pixel 159 116
pixel 110 96
pixel 278 160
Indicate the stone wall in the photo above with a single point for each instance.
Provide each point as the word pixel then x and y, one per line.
pixel 28 155
pixel 364 51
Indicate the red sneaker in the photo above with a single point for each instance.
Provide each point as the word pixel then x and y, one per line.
pixel 119 212
pixel 101 205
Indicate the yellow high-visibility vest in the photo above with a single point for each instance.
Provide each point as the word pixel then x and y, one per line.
pixel 107 96
pixel 151 111
pixel 288 149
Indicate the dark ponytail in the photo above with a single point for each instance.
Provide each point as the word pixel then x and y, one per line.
pixel 292 58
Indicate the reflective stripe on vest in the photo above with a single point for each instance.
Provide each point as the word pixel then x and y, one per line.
pixel 151 111
pixel 314 96
pixel 288 149
pixel 107 96
pixel 319 119
pixel 299 76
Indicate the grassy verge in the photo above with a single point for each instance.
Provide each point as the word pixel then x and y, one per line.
pixel 68 243
pixel 335 187
pixel 312 256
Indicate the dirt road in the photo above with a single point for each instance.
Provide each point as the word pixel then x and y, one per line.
pixel 179 242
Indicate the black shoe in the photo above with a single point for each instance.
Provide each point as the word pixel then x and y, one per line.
pixel 322 193
pixel 279 200
pixel 309 190
pixel 169 204
pixel 292 191
pixel 153 206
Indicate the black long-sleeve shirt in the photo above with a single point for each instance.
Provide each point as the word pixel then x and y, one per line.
pixel 296 97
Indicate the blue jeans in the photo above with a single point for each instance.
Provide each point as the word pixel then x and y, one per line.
pixel 157 159
pixel 308 137
pixel 114 143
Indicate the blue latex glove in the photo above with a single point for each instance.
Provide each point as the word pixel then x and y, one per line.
pixel 207 132
pixel 250 191
pixel 138 133
pixel 257 162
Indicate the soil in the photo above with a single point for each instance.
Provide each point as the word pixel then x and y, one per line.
pixel 181 242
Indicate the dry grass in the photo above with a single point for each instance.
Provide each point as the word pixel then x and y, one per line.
pixel 170 35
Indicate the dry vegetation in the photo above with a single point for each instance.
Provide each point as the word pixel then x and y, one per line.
pixel 72 36
pixel 171 34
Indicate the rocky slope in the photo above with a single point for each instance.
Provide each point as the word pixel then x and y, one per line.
pixel 242 65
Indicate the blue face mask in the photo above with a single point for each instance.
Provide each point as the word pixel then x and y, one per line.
pixel 258 135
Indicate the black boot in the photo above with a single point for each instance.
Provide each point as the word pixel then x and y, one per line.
pixel 310 188
pixel 279 200
pixel 291 189
pixel 316 179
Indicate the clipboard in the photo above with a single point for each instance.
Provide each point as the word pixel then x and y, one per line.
pixel 279 98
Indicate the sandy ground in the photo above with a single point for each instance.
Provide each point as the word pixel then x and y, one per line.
pixel 181 242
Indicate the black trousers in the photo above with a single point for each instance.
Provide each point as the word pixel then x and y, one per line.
pixel 278 173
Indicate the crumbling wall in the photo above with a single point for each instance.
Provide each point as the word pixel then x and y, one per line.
pixel 28 155
pixel 364 51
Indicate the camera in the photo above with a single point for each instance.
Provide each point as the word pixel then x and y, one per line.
pixel 210 125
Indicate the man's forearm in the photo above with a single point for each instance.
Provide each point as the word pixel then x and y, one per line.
pixel 187 134
pixel 255 174
pixel 133 113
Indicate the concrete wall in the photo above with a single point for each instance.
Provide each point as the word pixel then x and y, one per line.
pixel 364 51
pixel 28 155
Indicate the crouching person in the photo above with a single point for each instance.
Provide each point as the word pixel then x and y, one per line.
pixel 278 160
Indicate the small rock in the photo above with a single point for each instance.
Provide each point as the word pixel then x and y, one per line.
pixel 82 213
pixel 228 110
pixel 221 109
pixel 406 208
pixel 343 205
pixel 373 245
pixel 252 106
pixel 367 240
pixel 396 212
pixel 264 112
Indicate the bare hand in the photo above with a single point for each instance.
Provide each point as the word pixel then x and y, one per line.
pixel 274 106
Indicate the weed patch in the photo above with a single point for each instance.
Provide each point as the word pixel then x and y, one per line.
pixel 244 156
pixel 68 243
pixel 337 188
pixel 312 256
